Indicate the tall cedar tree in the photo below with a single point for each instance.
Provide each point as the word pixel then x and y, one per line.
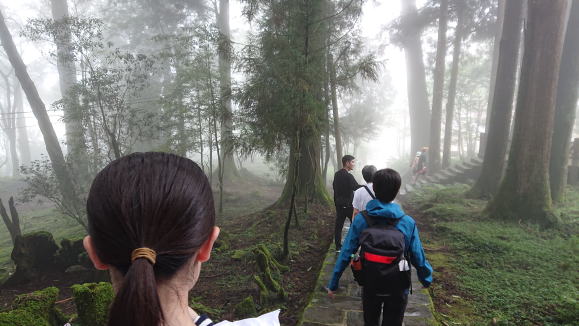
pixel 524 193
pixel 502 107
pixel 438 88
pixel 457 48
pixel 229 170
pixel 75 139
pixel 282 100
pixel 494 68
pixel 23 142
pixel 567 91
pixel 416 77
pixel 8 125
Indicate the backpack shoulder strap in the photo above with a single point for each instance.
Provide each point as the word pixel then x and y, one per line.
pixel 369 220
pixel 369 192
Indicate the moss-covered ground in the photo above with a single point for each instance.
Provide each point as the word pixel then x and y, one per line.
pixel 228 278
pixel 491 272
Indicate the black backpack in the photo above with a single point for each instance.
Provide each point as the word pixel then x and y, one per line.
pixel 382 250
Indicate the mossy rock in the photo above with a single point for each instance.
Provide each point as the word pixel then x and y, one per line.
pixel 33 255
pixel 71 253
pixel 34 309
pixel 269 280
pixel 245 308
pixel 92 302
pixel 265 258
pixel 241 253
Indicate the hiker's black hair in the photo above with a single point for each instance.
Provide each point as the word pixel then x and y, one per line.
pixel 368 172
pixel 386 183
pixel 154 200
pixel 347 158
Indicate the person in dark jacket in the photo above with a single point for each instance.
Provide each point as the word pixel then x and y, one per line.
pixel 344 186
pixel 386 184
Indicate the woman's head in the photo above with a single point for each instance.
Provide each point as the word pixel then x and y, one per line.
pixel 158 201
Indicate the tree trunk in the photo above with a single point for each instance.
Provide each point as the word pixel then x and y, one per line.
pixel 210 141
pixel 51 141
pixel 502 107
pixel 306 156
pixel 13 151
pixel 458 35
pixel 494 68
pixel 10 127
pixel 200 126
pixel 229 169
pixel 327 99
pixel 460 139
pixel 438 89
pixel 309 180
pixel 219 161
pixel 292 203
pixel 335 112
pixel 327 154
pixel 75 139
pixel 567 93
pixel 416 81
pixel 524 192
pixel 23 142
pixel 11 221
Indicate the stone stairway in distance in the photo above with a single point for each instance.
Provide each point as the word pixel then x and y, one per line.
pixel 464 172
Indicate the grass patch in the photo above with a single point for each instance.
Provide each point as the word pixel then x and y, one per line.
pixel 489 271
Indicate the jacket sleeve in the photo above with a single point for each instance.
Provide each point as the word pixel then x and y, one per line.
pixel 350 245
pixel 418 259
pixel 354 184
pixel 334 187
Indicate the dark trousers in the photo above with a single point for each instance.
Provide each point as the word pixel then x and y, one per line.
pixel 341 214
pixel 391 307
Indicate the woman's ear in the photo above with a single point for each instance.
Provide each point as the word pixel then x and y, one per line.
pixel 96 261
pixel 205 251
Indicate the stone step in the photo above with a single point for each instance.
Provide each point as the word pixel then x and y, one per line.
pixel 430 178
pixel 477 160
pixel 455 170
pixel 448 174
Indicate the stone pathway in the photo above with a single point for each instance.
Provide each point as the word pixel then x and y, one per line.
pixel 346 308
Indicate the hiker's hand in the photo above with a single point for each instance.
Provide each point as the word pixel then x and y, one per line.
pixel 331 293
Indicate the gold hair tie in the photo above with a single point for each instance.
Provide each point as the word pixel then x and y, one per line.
pixel 148 254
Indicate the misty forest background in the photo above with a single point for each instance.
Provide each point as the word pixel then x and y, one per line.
pixel 267 96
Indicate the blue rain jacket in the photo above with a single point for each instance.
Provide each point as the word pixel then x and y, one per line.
pixel 406 225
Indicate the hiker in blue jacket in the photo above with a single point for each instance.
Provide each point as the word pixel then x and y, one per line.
pixel 386 184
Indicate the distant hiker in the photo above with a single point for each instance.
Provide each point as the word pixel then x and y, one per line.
pixel 151 222
pixel 344 186
pixel 365 193
pixel 388 239
pixel 419 164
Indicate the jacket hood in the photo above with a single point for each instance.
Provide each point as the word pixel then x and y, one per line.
pixel 388 210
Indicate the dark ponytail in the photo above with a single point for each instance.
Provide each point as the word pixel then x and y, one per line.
pixel 137 302
pixel 148 200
